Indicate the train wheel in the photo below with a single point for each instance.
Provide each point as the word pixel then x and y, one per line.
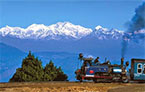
pixel 95 80
pixel 125 80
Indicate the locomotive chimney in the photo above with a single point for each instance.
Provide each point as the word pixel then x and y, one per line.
pixel 122 61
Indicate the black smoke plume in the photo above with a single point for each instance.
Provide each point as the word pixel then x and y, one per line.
pixel 136 28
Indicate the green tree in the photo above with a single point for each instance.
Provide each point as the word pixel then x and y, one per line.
pixel 54 73
pixel 50 70
pixel 60 75
pixel 31 70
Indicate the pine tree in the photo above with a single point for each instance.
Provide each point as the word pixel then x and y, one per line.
pixel 56 74
pixel 50 72
pixel 60 75
pixel 31 70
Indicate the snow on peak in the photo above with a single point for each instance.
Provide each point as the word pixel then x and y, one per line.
pixel 100 28
pixel 54 31
pixel 104 33
pixel 62 30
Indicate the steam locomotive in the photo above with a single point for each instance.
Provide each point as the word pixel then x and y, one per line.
pixel 106 72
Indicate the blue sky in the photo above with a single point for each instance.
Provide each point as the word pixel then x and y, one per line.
pixel 87 13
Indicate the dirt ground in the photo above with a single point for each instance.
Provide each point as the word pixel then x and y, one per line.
pixel 71 87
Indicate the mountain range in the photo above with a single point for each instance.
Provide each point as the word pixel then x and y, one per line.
pixel 60 30
pixel 40 31
pixel 67 37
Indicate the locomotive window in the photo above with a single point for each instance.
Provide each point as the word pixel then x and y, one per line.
pixel 139 71
pixel 139 68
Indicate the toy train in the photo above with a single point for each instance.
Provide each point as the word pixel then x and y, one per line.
pixel 106 72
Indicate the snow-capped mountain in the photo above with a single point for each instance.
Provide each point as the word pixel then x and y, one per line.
pixel 65 30
pixel 104 33
pixel 58 31
pixel 41 31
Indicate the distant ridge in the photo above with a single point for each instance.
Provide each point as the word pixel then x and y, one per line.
pixel 40 31
pixel 60 30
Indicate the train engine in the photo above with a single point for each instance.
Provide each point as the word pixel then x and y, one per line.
pixel 101 72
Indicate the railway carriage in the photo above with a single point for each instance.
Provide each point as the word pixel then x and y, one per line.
pixel 137 71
